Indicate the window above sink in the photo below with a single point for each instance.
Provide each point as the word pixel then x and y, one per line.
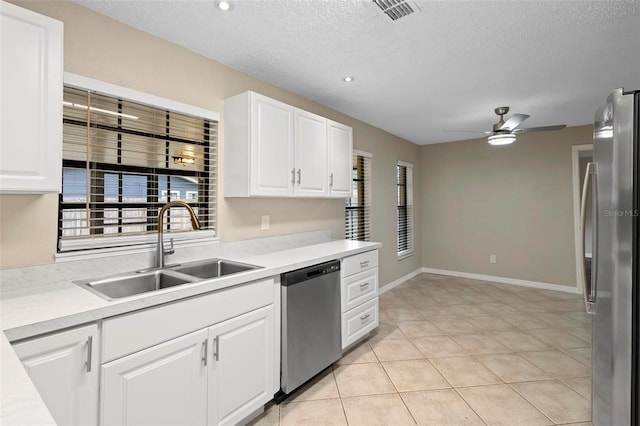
pixel 126 154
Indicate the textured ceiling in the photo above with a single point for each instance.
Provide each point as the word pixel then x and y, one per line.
pixel 446 67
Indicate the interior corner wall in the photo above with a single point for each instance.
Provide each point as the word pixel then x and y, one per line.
pixel 102 48
pixel 514 202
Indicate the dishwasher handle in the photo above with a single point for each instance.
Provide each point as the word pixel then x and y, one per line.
pixel 309 273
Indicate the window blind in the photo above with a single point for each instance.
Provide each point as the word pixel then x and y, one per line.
pixel 122 161
pixel 404 181
pixel 358 206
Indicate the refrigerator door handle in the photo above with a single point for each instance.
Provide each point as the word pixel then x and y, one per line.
pixel 589 288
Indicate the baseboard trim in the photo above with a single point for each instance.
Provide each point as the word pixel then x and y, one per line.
pixel 502 280
pixel 399 281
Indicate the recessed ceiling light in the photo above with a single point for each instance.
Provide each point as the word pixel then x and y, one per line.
pixel 224 5
pixel 348 79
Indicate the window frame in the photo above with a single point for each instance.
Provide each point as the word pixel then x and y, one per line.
pixel 404 212
pixel 364 197
pixel 119 244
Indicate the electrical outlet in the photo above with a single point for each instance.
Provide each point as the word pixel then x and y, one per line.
pixel 492 258
pixel 265 222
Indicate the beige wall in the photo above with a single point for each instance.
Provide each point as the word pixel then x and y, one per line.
pixel 512 201
pixel 101 48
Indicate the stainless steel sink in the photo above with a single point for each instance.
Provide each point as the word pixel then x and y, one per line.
pixel 213 268
pixel 134 283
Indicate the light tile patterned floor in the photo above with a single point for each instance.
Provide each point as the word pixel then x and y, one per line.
pixel 453 351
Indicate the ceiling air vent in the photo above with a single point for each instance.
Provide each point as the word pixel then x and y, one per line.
pixel 396 9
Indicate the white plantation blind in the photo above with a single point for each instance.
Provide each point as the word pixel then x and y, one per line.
pixel 404 181
pixel 358 206
pixel 123 160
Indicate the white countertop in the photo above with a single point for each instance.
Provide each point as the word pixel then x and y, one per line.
pixel 30 312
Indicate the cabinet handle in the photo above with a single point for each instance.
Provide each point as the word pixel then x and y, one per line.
pixel 299 174
pixel 331 179
pixel 364 317
pixel 363 264
pixel 363 285
pixel 205 348
pixel 293 176
pixel 89 353
pixel 216 354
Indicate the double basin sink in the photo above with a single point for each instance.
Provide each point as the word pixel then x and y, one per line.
pixel 134 283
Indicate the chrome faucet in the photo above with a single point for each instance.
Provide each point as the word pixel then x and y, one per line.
pixel 160 251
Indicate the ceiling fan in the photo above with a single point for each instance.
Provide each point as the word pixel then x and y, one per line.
pixel 504 132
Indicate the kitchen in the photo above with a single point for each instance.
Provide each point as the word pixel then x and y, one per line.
pixel 453 236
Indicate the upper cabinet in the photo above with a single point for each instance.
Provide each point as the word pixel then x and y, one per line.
pixel 275 150
pixel 31 86
pixel 340 139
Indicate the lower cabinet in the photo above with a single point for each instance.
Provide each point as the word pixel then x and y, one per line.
pixel 216 376
pixel 359 304
pixel 64 368
pixel 241 374
pixel 162 385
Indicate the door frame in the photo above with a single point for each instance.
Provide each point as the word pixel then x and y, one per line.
pixel 577 183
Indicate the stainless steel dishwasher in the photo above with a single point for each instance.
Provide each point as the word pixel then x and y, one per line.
pixel 311 339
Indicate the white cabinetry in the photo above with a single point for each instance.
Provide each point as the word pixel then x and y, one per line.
pixel 64 368
pixel 162 385
pixel 242 367
pixel 340 139
pixel 207 360
pixel 31 87
pixel 275 150
pixel 311 154
pixel 271 147
pixel 359 296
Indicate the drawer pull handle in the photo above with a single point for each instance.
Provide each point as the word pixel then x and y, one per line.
pixel 364 263
pixel 364 317
pixel 364 285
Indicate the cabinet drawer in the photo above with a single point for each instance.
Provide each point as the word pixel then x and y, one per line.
pixel 130 333
pixel 360 262
pixel 359 321
pixel 359 288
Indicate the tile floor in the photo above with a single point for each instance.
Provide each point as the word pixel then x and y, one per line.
pixel 452 351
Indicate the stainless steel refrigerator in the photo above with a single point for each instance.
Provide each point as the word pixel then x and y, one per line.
pixel 611 280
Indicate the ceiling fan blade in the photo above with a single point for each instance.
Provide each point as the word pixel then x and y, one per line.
pixel 542 128
pixel 514 121
pixel 486 132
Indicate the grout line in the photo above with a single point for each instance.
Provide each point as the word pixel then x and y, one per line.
pixel 531 403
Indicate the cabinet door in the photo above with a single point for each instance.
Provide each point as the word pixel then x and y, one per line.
pixel 241 379
pixel 162 385
pixel 340 159
pixel 64 369
pixel 311 155
pixel 31 87
pixel 271 147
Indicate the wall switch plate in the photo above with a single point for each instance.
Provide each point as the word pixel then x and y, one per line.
pixel 265 222
pixel 492 258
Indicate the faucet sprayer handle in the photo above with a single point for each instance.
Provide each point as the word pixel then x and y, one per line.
pixel 171 249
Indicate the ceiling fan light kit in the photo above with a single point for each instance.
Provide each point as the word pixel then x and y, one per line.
pixel 502 139
pixel 504 132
